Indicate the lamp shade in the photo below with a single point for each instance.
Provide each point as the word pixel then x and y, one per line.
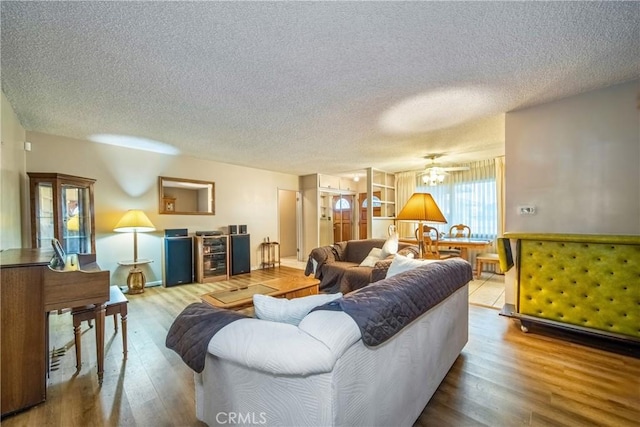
pixel 134 220
pixel 421 207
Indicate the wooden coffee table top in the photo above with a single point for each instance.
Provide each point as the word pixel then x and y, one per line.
pixel 244 297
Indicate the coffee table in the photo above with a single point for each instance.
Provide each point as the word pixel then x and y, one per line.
pixel 283 287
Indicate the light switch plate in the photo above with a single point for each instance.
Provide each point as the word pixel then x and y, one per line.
pixel 527 210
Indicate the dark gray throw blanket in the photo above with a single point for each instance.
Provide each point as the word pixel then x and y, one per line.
pixel 192 330
pixel 322 255
pixel 383 308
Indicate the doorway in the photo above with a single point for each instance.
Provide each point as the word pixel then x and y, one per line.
pixel 342 206
pixel 288 221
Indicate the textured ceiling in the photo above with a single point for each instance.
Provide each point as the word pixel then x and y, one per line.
pixel 304 87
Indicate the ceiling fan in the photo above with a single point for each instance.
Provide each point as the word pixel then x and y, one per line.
pixel 434 175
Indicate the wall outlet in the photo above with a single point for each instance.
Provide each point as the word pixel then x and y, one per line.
pixel 527 210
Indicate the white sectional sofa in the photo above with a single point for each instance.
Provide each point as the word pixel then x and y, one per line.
pixel 322 373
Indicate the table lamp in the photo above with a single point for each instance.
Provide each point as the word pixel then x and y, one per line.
pixel 134 220
pixel 421 207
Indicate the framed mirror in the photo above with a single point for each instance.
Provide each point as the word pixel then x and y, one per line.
pixel 179 196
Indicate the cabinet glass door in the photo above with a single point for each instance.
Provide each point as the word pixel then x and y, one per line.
pixel 214 256
pixel 62 208
pixel 76 220
pixel 45 215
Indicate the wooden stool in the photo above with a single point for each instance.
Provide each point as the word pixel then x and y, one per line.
pixel 486 258
pixel 117 304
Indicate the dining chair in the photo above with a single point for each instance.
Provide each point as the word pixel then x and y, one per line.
pixel 460 230
pixel 457 231
pixel 429 239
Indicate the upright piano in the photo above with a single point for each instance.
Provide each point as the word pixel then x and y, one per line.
pixel 29 290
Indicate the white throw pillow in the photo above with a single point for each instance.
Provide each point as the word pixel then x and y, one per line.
pixel 390 247
pixel 401 264
pixel 371 259
pixel 290 311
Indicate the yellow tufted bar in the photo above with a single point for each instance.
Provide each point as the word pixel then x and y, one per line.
pixel 590 281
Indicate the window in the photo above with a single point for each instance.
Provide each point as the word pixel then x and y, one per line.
pixel 342 205
pixel 468 198
pixel 376 202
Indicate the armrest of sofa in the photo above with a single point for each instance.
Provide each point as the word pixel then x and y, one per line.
pixel 411 251
pixel 277 348
pixel 323 255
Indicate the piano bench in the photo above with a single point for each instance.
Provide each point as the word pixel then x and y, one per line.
pixel 117 304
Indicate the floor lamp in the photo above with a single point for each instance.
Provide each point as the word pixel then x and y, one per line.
pixel 421 207
pixel 135 220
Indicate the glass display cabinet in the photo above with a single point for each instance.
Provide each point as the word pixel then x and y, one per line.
pixel 62 207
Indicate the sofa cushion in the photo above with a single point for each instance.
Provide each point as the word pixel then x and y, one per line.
pixel 336 330
pixel 357 250
pixel 379 270
pixel 401 264
pixel 390 247
pixel 290 311
pixel 372 258
pixel 355 278
pixel 332 275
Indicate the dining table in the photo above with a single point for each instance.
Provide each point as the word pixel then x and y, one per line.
pixel 464 243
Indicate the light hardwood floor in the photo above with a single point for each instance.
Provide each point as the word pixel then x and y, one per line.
pixel 502 378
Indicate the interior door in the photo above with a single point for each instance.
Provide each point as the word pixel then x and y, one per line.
pixel 342 218
pixel 362 208
pixel 363 205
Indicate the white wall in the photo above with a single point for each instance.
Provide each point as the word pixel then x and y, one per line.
pixel 287 223
pixel 127 179
pixel 12 182
pixel 577 160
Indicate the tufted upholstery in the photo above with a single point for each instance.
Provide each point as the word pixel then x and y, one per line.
pixel 588 281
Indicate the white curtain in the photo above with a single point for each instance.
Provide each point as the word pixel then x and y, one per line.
pixel 405 187
pixel 500 194
pixel 470 198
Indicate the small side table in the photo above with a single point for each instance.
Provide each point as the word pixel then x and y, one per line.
pixel 136 279
pixel 270 254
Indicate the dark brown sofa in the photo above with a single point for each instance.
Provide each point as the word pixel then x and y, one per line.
pixel 338 265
